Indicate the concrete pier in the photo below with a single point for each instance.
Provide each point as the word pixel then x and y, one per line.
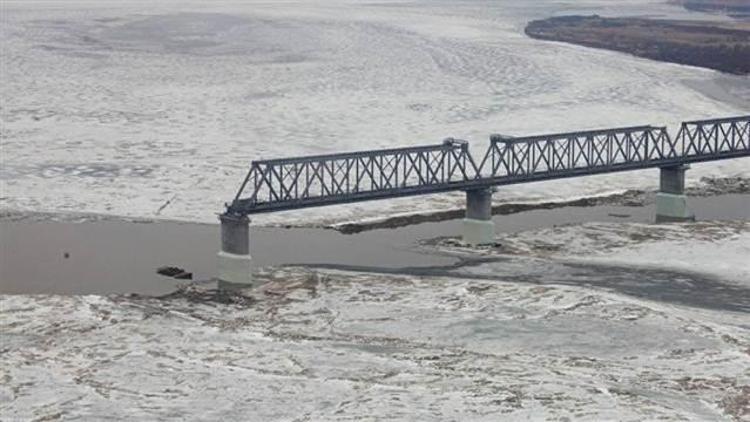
pixel 235 263
pixel 478 227
pixel 671 202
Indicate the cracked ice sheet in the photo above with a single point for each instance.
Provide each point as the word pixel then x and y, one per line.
pixel 717 248
pixel 342 346
pixel 156 112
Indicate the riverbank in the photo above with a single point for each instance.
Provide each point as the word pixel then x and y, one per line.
pixel 713 45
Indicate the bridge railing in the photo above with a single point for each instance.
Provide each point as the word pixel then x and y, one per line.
pixel 290 183
pixel 317 180
pixel 511 157
pixel 715 137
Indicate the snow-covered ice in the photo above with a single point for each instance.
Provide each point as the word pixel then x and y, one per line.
pixel 343 346
pixel 717 248
pixel 117 108
pixel 536 334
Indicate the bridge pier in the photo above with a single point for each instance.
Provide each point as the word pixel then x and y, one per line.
pixel 671 202
pixel 235 263
pixel 478 227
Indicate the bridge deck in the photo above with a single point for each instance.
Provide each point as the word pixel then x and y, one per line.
pixel 293 183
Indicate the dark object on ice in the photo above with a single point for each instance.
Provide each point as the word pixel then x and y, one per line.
pixel 175 272
pixel 66 255
pixel 169 271
pixel 184 276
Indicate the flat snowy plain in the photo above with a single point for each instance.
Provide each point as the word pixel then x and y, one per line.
pixel 154 110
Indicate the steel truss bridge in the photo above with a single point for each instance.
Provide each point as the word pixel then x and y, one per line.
pixel 293 183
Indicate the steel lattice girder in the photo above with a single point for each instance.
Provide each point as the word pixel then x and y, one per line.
pixel 292 183
pixel 339 178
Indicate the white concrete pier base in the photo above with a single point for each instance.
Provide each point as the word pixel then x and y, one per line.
pixel 671 202
pixel 672 208
pixel 235 271
pixel 478 227
pixel 478 232
pixel 235 262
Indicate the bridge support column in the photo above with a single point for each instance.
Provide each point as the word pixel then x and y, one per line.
pixel 478 228
pixel 235 264
pixel 671 202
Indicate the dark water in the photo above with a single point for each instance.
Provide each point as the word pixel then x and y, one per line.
pixel 121 257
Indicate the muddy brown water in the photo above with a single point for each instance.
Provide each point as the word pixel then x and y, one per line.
pixel 113 256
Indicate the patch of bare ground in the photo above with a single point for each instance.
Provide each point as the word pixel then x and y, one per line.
pixel 713 45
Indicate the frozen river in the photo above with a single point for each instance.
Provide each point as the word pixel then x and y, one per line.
pixel 118 108
pixel 154 110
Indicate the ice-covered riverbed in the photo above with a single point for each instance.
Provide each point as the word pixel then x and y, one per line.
pixel 113 107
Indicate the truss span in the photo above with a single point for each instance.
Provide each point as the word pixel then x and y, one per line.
pixel 292 183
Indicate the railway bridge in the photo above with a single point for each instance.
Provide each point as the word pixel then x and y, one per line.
pixel 314 181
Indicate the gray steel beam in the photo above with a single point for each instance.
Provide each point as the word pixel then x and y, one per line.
pixel 293 183
pixel 718 121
